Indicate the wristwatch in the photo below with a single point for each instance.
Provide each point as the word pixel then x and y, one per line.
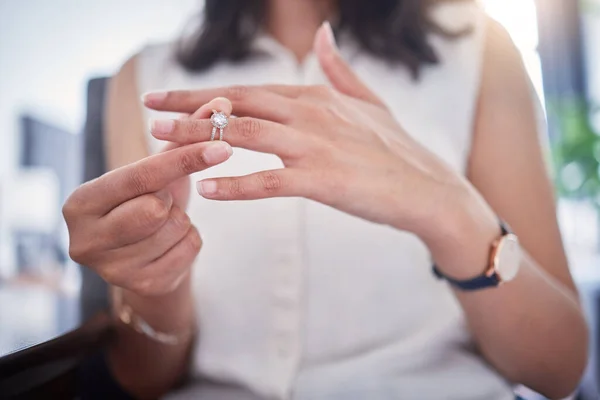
pixel 505 260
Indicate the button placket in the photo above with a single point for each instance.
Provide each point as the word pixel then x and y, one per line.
pixel 286 291
pixel 287 280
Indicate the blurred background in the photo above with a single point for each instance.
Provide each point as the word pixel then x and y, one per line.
pixel 50 50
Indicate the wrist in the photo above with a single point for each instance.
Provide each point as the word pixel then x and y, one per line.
pixel 171 311
pixel 459 237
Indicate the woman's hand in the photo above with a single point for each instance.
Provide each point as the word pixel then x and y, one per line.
pixel 343 148
pixel 126 226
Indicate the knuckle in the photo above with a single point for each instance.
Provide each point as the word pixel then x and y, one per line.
pixel 249 128
pixel 237 92
pixel 153 211
pixel 157 207
pixel 79 252
pixel 139 179
pixel 70 209
pixel 235 188
pixel 74 206
pixel 194 241
pixel 189 128
pixel 323 91
pixel 86 247
pixel 180 219
pixel 270 182
pixel 188 162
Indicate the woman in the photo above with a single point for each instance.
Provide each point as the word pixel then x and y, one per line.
pixel 317 283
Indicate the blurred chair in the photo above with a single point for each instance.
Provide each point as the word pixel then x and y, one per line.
pixel 94 291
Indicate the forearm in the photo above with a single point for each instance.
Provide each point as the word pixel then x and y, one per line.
pixel 531 330
pixel 143 366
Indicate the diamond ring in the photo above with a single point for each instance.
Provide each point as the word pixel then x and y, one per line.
pixel 219 121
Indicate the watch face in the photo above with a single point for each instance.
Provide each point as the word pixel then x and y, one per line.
pixel 508 258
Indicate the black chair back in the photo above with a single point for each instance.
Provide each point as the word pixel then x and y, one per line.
pixel 94 291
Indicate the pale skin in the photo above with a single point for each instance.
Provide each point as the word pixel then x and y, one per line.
pixel 531 330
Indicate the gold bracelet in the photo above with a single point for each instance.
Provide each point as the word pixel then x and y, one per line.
pixel 127 316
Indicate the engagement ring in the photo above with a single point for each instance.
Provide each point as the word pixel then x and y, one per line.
pixel 219 121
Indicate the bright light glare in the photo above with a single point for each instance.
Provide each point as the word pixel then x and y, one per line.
pixel 518 17
pixel 520 20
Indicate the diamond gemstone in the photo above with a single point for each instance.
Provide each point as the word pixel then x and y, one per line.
pixel 219 120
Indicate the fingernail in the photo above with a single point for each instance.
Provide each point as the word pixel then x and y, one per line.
pixel 217 152
pixel 329 33
pixel 206 188
pixel 161 126
pixel 154 98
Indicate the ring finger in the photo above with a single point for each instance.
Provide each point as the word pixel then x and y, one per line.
pixel 249 133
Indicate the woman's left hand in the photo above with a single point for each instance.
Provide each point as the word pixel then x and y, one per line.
pixel 342 147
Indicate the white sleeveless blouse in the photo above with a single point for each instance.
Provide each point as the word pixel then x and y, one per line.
pixel 298 300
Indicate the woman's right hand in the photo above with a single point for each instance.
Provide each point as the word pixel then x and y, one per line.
pixel 126 227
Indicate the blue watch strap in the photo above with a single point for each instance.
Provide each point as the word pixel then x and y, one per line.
pixel 480 282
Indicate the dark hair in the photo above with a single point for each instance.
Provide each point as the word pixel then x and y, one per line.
pixel 393 30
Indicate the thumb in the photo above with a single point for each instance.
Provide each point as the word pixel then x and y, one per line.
pixel 339 73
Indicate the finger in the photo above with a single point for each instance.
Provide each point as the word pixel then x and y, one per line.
pixel 152 246
pixel 148 175
pixel 135 220
pixel 168 235
pixel 171 146
pixel 164 274
pixel 283 182
pixel 339 73
pixel 220 104
pixel 271 102
pixel 249 133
